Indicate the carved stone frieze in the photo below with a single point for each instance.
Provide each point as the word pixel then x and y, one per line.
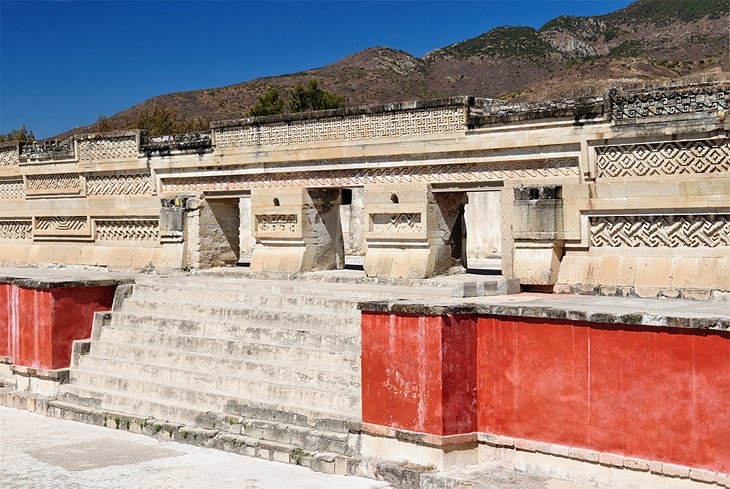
pixel 11 189
pixel 127 229
pixel 649 103
pixel 121 184
pixel 48 150
pixel 108 148
pixel 459 173
pixel 267 223
pixel 381 125
pixel 53 184
pixel 670 231
pixel 16 229
pixel 63 228
pixel 403 222
pixel 9 156
pixel 669 158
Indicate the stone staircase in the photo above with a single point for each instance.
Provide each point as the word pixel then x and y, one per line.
pixel 269 360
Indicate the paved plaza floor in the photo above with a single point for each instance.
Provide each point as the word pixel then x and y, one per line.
pixel 37 452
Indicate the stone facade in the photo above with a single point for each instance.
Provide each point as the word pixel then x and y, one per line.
pixel 641 181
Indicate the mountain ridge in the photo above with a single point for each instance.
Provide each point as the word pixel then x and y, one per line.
pixel 647 42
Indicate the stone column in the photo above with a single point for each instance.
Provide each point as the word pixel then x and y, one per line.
pixel 537 226
pixel 296 230
pixel 410 230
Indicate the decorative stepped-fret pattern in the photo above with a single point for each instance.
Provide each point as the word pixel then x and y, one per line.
pixel 9 156
pixel 108 148
pixel 54 183
pixel 350 178
pixel 11 189
pixel 62 224
pixel 123 184
pixel 670 158
pixel 127 230
pixel 642 104
pixel 404 222
pixel 20 229
pixel 670 231
pixel 383 125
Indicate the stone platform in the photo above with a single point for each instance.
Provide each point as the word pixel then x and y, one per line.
pixel 269 365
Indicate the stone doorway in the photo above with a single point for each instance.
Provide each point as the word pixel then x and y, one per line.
pixel 483 220
pixel 452 206
pixel 218 232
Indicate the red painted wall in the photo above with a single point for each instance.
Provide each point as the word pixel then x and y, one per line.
pixel 661 394
pixel 419 373
pixel 654 393
pixel 5 319
pixel 48 321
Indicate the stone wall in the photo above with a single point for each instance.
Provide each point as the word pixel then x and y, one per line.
pixel 642 178
pixel 483 225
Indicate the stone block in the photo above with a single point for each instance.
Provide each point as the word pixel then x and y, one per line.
pixel 637 464
pixel 703 475
pixel 560 450
pixel 654 271
pixel 674 470
pixel 412 232
pixel 537 263
pixel 296 230
pixel 583 454
pixel 611 460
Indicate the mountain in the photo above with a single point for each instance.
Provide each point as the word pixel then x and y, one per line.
pixel 648 42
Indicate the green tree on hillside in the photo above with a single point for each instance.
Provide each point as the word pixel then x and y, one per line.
pixel 312 97
pixel 161 119
pixel 20 134
pixel 103 124
pixel 269 103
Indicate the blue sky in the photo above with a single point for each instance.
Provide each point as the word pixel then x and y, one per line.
pixel 64 63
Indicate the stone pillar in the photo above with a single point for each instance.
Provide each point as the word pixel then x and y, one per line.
pixel 247 240
pixel 484 225
pixel 212 230
pixel 537 227
pixel 296 230
pixel 410 231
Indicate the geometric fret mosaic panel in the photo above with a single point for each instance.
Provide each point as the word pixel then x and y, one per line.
pixel 11 188
pixel 670 158
pixel 16 229
pixel 53 183
pixel 127 230
pixel 456 173
pixel 9 156
pixel 108 148
pixel 62 224
pixel 641 104
pixel 670 231
pixel 382 125
pixel 125 184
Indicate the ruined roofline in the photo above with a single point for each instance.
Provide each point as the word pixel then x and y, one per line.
pixel 614 105
pixel 581 109
pixel 459 101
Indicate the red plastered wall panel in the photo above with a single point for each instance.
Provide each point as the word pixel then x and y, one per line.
pixel 655 393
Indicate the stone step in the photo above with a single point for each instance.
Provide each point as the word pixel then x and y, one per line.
pixel 215 397
pixel 269 334
pixel 160 306
pixel 318 418
pixel 277 435
pixel 252 297
pixel 209 417
pixel 139 406
pixel 133 345
pixel 344 290
pixel 184 374
pixel 201 363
